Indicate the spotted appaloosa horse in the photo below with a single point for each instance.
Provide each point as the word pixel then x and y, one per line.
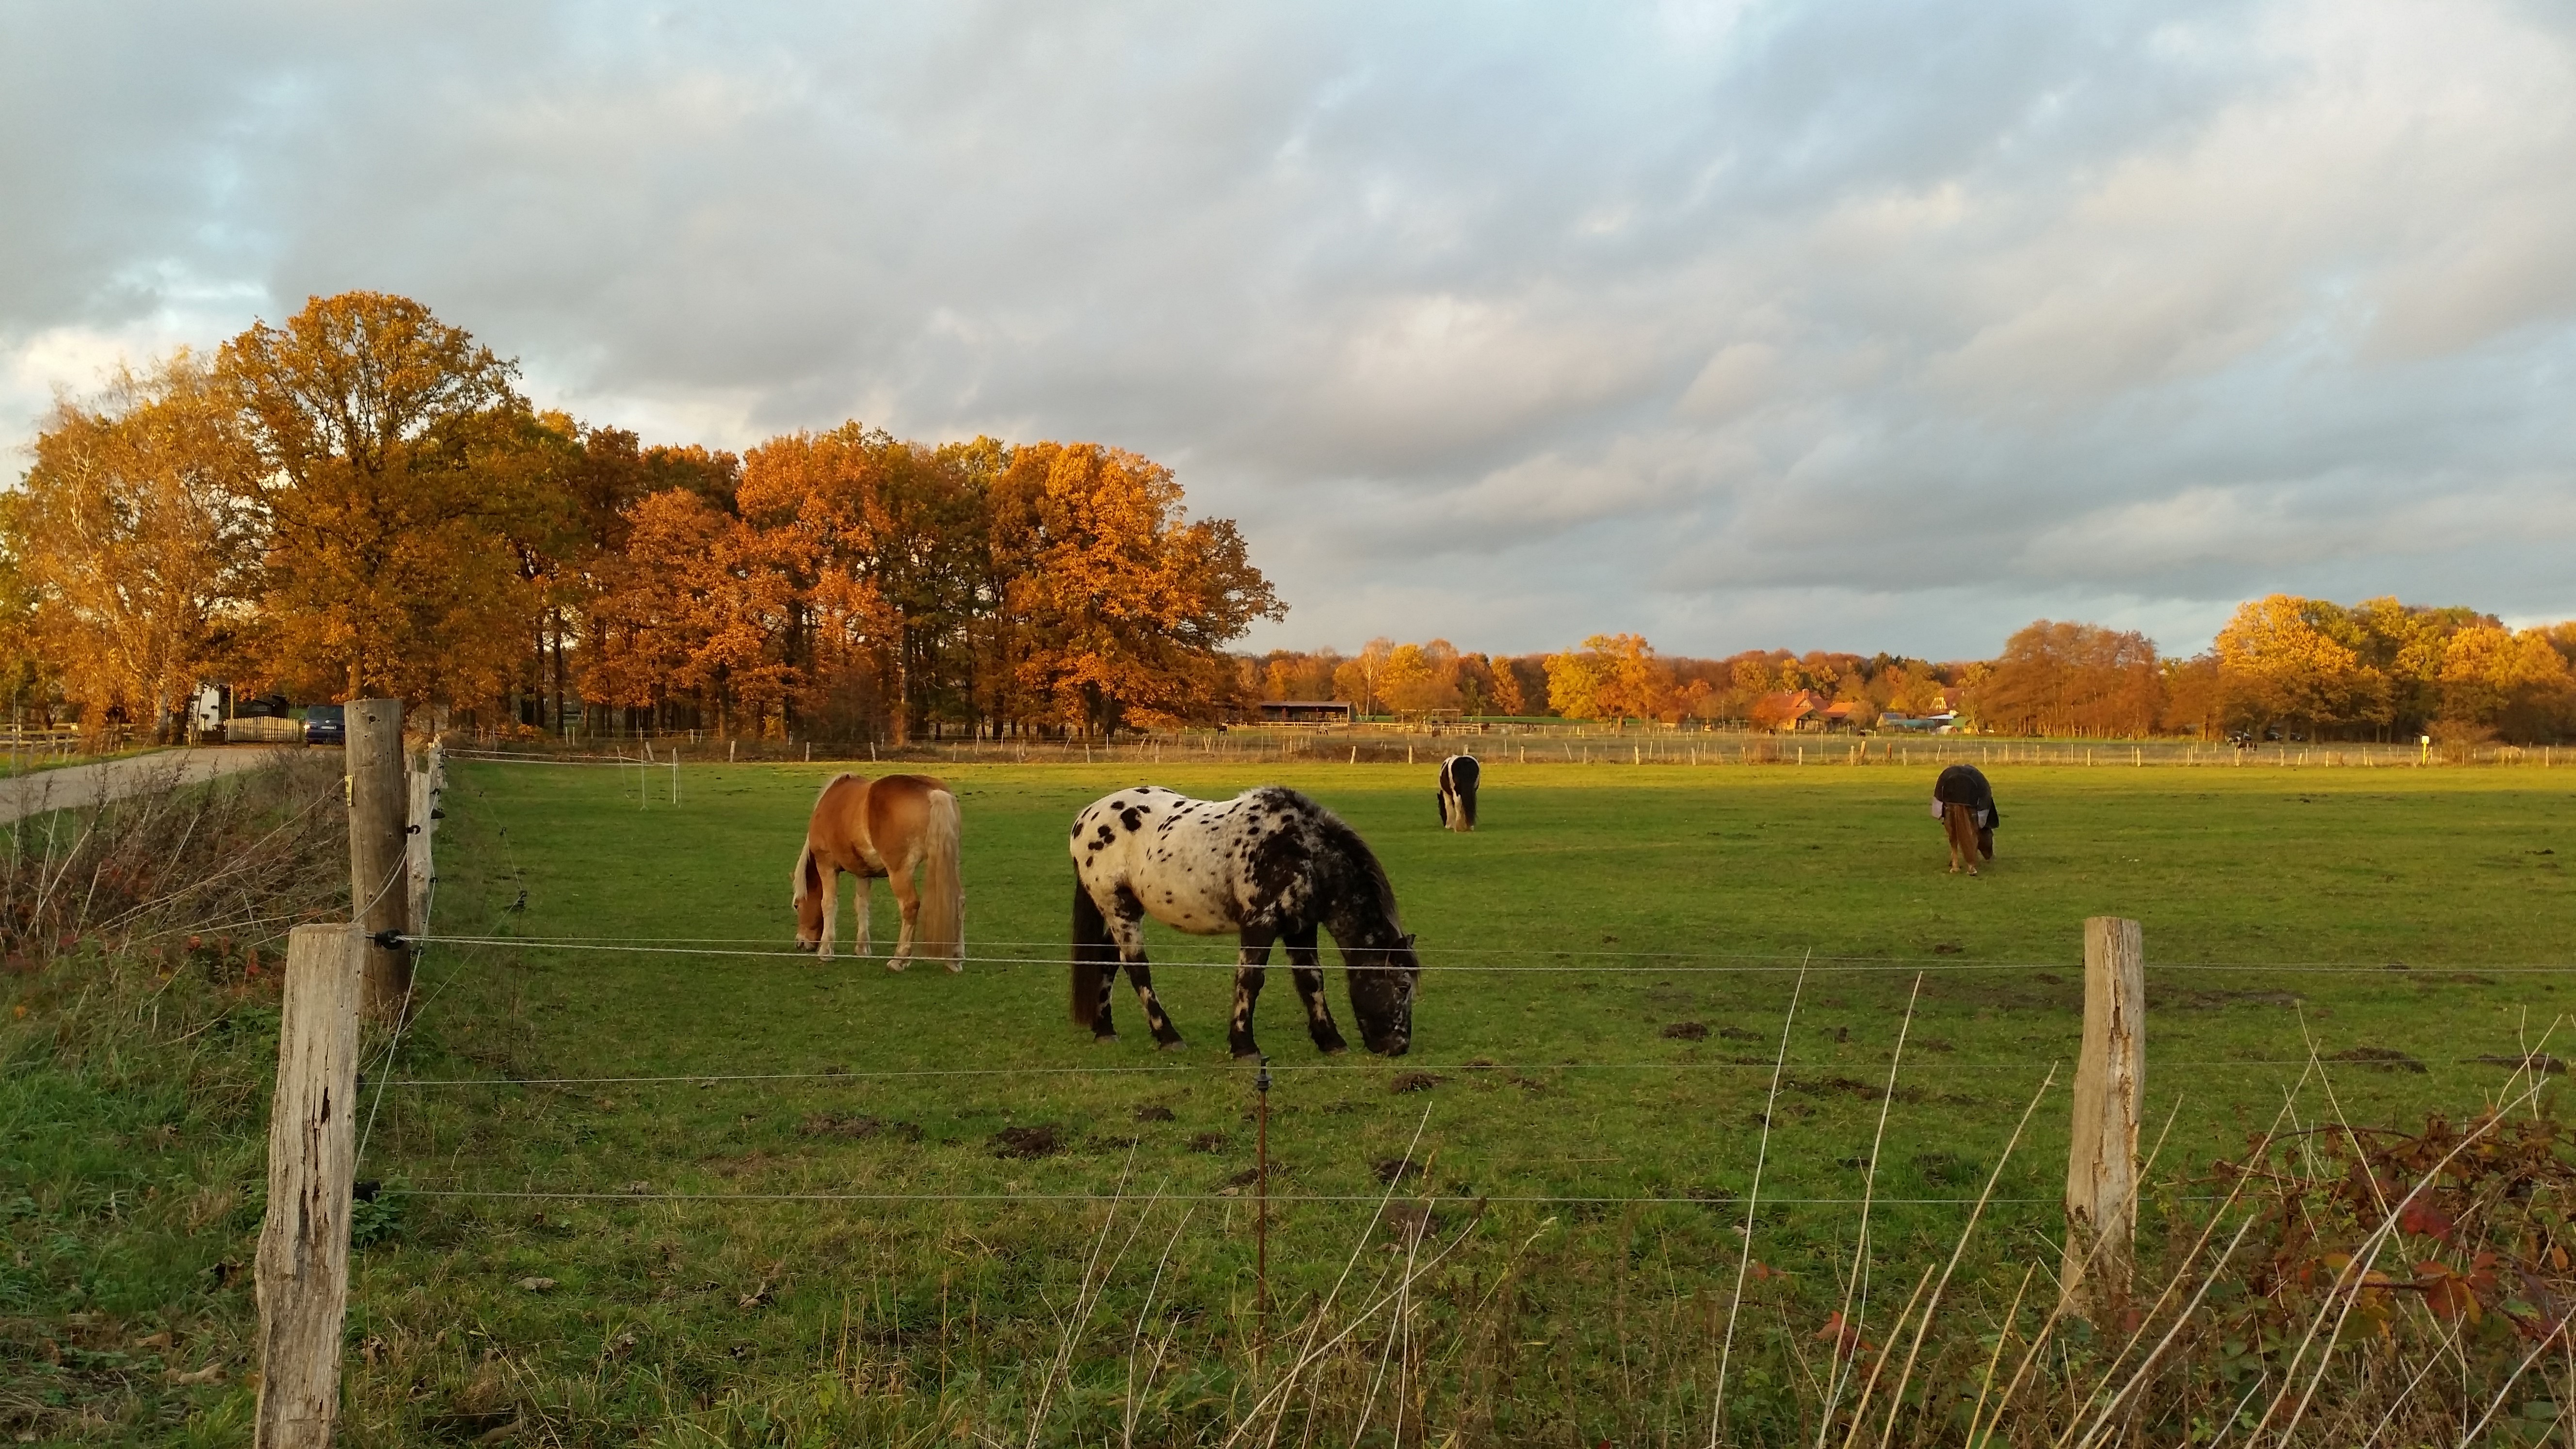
pixel 1268 864
pixel 884 827
pixel 1458 792
pixel 1966 805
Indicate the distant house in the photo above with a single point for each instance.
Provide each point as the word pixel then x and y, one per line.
pixel 1836 716
pixel 1788 710
pixel 1930 724
pixel 1305 712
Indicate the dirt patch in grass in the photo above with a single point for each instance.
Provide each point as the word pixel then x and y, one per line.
pixel 1040 1140
pixel 1687 1031
pixel 1840 1086
pixel 1395 1169
pixel 2541 1062
pixel 2385 1059
pixel 1208 1142
pixel 1412 1082
pixel 1152 1112
pixel 858 1128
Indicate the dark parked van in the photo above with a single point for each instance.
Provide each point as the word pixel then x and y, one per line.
pixel 325 724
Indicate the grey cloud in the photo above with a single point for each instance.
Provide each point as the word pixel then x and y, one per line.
pixel 1856 323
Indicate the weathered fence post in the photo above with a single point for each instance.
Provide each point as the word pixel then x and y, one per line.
pixel 420 862
pixel 378 811
pixel 302 1270
pixel 2110 1093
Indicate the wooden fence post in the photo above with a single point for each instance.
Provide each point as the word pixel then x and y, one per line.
pixel 2110 1093
pixel 419 860
pixel 378 811
pixel 302 1270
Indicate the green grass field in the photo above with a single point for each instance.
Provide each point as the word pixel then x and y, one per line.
pixel 1705 888
pixel 870 1207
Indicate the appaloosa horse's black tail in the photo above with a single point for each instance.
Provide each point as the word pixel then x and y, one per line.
pixel 1095 962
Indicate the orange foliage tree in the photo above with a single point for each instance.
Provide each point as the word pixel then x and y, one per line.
pixel 133 545
pixel 2065 678
pixel 389 496
pixel 1120 605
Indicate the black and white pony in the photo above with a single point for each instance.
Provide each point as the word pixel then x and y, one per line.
pixel 1458 792
pixel 1268 864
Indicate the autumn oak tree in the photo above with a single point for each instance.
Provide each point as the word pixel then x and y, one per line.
pixel 384 439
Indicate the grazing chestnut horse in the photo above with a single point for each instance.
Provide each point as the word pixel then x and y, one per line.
pixel 1966 805
pixel 884 827
pixel 1270 865
pixel 1458 792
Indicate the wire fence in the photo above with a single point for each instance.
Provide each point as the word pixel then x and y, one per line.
pixel 1645 963
pixel 1565 742
pixel 1784 1068
pixel 1465 958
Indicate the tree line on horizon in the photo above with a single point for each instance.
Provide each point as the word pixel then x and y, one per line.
pixel 2284 665
pixel 361 502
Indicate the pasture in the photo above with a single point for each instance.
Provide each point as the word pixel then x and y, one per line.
pixel 773 1200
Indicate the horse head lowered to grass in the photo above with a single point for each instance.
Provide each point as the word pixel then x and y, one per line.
pixel 1269 865
pixel 1965 804
pixel 884 827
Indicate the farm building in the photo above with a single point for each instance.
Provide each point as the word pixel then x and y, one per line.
pixel 1305 712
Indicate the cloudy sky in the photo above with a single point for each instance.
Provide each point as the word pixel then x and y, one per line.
pixel 1861 324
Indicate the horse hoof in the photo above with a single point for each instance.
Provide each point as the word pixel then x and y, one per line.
pixel 1174 1045
pixel 1972 870
pixel 1103 1038
pixel 897 964
pixel 956 968
pixel 1248 1054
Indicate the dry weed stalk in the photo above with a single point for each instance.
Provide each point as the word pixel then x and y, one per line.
pixel 250 855
pixel 1849 1328
pixel 1752 1202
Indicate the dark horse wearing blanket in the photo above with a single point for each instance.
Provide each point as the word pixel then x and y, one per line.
pixel 1966 805
pixel 1268 864
pixel 1458 792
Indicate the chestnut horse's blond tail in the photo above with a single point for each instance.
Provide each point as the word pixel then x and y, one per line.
pixel 1960 824
pixel 807 878
pixel 940 931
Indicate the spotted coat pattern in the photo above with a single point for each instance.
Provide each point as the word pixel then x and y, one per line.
pixel 1269 865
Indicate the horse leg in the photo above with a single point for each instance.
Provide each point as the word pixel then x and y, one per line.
pixel 1249 969
pixel 1102 1027
pixel 1130 935
pixel 1308 972
pixel 859 943
pixel 907 904
pixel 832 910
